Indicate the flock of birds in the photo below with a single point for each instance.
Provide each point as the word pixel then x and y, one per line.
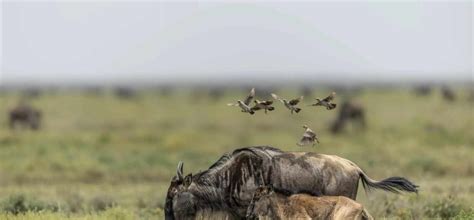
pixel 309 136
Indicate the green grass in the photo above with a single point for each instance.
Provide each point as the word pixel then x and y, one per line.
pixel 100 157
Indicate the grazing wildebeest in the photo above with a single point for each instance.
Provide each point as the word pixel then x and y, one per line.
pixel 422 90
pixel 92 90
pixel 25 115
pixel 448 94
pixel 229 184
pixel 165 90
pixel 31 93
pixel 349 111
pixel 125 93
pixel 216 93
pixel 271 203
pixel 307 92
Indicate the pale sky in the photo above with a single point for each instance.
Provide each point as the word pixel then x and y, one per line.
pixel 104 41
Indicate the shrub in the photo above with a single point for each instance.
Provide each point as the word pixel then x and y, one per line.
pixel 74 202
pixel 445 208
pixel 465 215
pixel 101 203
pixel 117 213
pixel 17 204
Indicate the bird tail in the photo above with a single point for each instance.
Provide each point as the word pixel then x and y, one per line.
pixel 251 112
pixel 297 110
pixel 271 108
pixel 332 106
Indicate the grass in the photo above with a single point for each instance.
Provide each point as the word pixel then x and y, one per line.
pixel 101 157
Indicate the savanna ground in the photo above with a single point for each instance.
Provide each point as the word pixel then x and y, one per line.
pixel 101 157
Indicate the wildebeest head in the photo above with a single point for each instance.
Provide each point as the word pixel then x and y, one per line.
pixel 179 200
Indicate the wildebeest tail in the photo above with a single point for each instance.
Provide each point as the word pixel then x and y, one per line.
pixel 391 184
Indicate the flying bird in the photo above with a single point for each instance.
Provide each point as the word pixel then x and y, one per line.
pixel 266 105
pixel 326 102
pixel 245 104
pixel 291 105
pixel 309 137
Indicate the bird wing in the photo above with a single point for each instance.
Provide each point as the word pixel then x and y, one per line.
pixel 330 97
pixel 296 101
pixel 277 98
pixel 305 140
pixel 309 133
pixel 250 96
pixel 232 104
pixel 267 102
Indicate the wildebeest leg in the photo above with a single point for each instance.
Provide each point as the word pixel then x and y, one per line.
pixel 34 126
pixel 361 120
pixel 12 123
pixel 34 123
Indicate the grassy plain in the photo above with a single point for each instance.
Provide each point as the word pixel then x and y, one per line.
pixel 101 157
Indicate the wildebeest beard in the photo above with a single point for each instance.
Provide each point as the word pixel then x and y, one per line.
pixel 229 184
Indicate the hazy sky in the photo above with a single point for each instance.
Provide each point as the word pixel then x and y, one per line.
pixel 105 41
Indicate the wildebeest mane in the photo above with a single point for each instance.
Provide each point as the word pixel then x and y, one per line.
pixel 233 170
pixel 228 156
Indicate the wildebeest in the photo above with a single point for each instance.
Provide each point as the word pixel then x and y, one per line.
pixel 349 111
pixel 307 91
pixel 270 203
pixel 216 93
pixel 92 90
pixel 31 93
pixel 125 92
pixel 25 115
pixel 422 90
pixel 166 90
pixel 448 94
pixel 229 184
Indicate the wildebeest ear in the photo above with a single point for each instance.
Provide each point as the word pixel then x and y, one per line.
pixel 188 180
pixel 179 171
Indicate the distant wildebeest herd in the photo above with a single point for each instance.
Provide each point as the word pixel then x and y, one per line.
pixel 25 115
pixel 265 182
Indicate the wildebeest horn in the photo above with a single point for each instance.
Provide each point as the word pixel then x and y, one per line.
pixel 179 170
